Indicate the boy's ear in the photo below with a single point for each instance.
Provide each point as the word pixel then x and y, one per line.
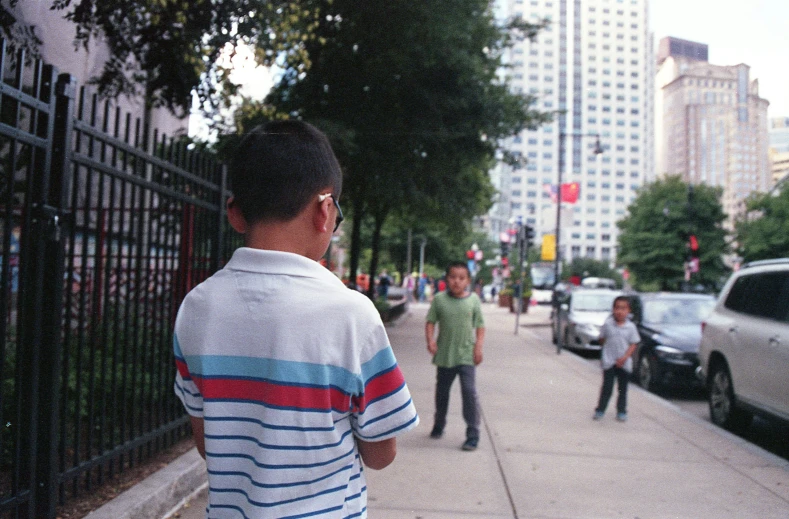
pixel 320 217
pixel 235 218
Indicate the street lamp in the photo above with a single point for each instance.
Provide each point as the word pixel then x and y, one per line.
pixel 597 151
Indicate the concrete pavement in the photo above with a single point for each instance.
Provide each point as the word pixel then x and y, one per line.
pixel 542 456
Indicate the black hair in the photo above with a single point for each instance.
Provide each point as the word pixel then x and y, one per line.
pixel 622 298
pixel 279 167
pixel 458 264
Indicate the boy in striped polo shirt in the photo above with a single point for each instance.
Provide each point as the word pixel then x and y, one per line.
pixel 288 376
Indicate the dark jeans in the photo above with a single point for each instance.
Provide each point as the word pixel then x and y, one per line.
pixel 468 393
pixel 622 378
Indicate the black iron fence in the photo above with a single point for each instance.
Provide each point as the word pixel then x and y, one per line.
pixel 103 230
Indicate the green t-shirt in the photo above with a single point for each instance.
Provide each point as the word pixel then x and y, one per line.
pixel 458 320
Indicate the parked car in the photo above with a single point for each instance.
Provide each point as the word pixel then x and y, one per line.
pixel 670 328
pixel 744 352
pixel 581 313
pixel 598 283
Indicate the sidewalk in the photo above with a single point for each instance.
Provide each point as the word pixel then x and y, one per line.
pixel 541 455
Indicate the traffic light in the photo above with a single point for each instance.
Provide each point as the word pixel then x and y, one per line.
pixel 693 243
pixel 505 249
pixel 528 232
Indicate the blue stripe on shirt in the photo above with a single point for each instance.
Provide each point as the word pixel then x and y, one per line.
pixel 274 370
pixel 239 437
pixel 280 485
pixel 279 467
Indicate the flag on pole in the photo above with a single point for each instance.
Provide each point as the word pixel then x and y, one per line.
pixel 570 192
pixel 551 190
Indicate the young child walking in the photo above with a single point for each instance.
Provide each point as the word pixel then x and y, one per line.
pixel 461 332
pixel 619 338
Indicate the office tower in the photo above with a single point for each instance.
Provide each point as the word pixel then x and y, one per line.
pixel 593 67
pixel 712 127
pixel 779 134
pixel 779 149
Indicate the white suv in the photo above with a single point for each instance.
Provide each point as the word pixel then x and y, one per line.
pixel 744 352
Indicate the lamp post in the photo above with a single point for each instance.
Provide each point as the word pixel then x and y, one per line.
pixel 597 151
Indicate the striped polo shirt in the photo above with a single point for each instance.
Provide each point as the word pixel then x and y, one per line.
pixel 286 366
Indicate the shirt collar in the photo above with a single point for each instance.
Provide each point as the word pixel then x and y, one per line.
pixel 277 262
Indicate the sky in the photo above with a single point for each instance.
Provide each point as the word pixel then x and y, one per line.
pixel 754 32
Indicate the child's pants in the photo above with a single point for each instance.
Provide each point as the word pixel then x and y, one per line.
pixel 622 378
pixel 468 393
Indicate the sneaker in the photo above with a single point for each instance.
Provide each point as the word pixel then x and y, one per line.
pixel 436 433
pixel 622 417
pixel 470 445
pixel 598 415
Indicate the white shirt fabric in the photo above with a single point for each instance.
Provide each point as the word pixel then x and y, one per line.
pixel 618 339
pixel 286 365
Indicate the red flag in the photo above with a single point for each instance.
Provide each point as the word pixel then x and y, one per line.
pixel 570 192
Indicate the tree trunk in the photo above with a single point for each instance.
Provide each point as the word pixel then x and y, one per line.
pixel 376 245
pixel 356 238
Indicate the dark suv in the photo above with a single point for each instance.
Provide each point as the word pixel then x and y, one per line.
pixel 670 328
pixel 744 349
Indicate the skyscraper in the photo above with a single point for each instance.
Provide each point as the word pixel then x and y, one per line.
pixel 779 149
pixel 712 127
pixel 593 67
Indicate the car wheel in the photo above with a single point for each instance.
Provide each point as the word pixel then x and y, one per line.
pixel 647 372
pixel 723 409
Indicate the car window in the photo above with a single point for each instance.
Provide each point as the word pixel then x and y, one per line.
pixel 760 295
pixel 677 311
pixel 593 302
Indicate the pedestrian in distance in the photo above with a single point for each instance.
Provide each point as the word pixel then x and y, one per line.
pixel 457 350
pixel 619 338
pixel 288 376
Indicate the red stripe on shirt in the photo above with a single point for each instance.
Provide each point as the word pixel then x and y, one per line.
pixel 273 394
pixel 183 369
pixel 380 386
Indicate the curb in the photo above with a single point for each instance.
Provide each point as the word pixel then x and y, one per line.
pixel 158 494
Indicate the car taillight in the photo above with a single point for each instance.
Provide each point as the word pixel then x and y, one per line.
pixel 703 324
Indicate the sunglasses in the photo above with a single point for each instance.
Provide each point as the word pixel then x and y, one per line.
pixel 340 217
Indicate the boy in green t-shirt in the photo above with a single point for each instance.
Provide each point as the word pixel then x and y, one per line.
pixel 461 332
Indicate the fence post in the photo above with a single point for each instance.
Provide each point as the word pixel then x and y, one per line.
pixel 52 308
pixel 218 248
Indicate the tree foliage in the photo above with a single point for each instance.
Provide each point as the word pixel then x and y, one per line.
pixel 763 232
pixel 408 93
pixel 164 50
pixel 653 242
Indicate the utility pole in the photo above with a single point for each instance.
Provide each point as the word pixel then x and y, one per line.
pixel 408 266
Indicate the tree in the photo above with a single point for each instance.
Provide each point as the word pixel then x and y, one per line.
pixel 408 93
pixel 654 238
pixel 164 50
pixel 763 232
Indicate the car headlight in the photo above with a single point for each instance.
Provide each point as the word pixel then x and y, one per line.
pixel 591 329
pixel 667 352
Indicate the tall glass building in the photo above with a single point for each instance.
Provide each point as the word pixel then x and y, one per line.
pixel 594 67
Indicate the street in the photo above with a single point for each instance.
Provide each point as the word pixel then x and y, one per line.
pixel 767 434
